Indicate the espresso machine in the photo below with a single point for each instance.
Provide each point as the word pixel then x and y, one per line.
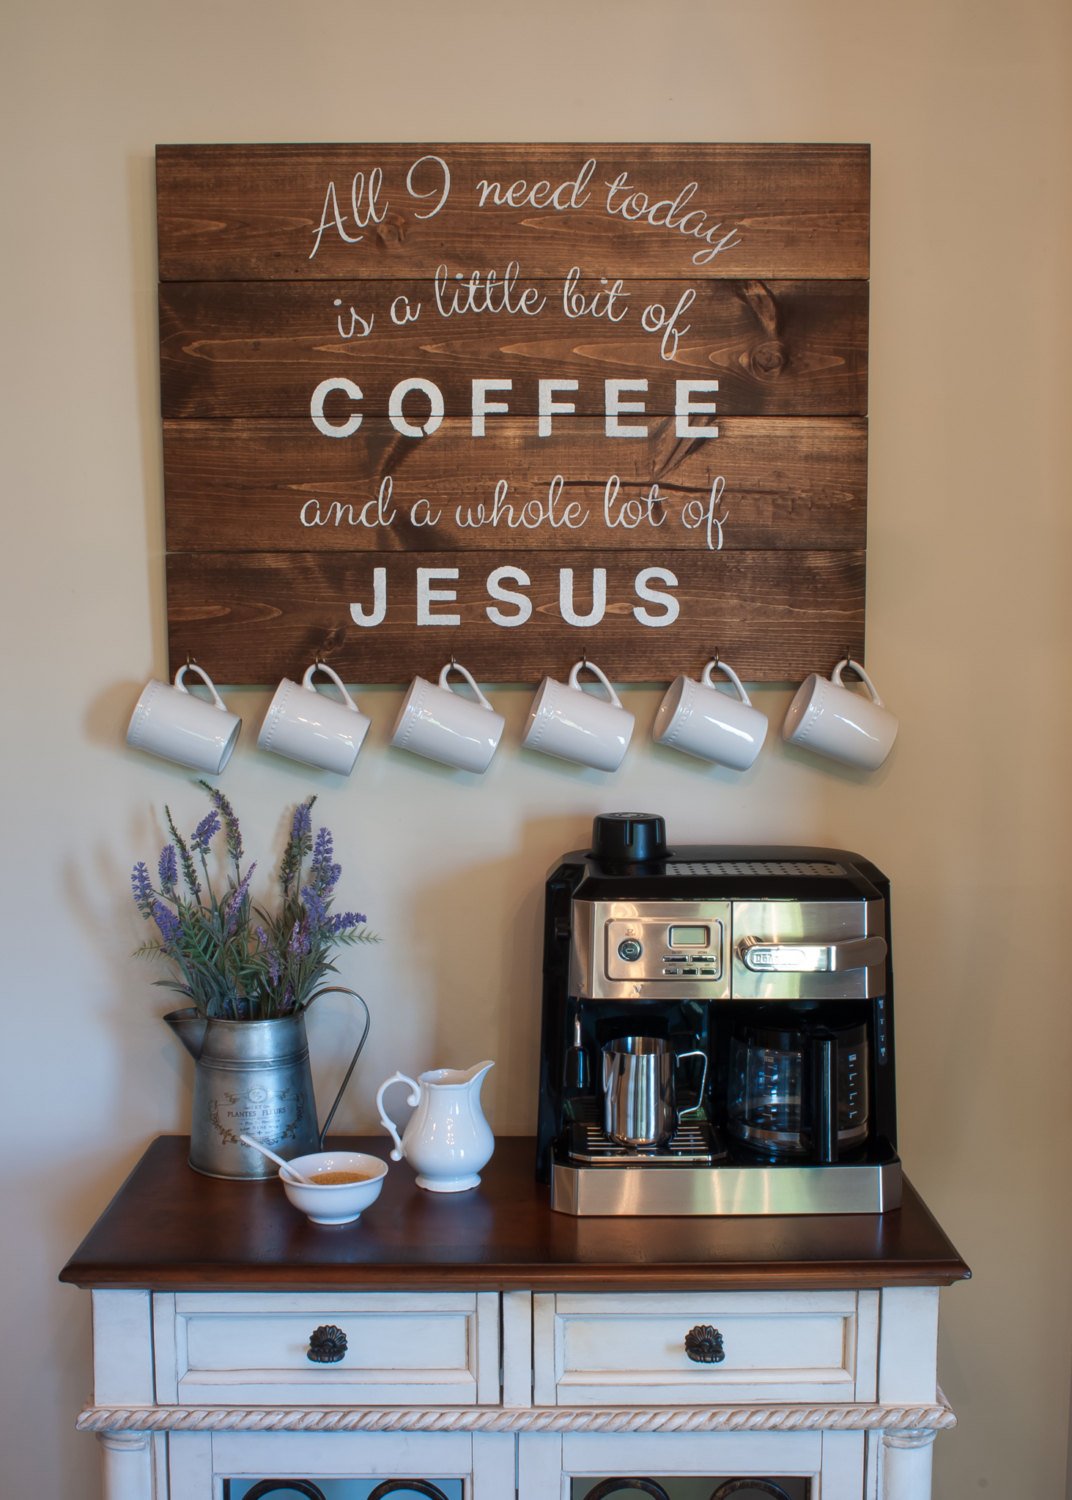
pixel 717 1033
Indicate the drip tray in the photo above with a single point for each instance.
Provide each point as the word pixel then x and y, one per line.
pixel 695 1143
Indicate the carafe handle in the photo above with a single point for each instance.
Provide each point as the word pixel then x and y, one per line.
pixel 340 989
pixel 825 1098
pixel 696 1108
pixel 385 1120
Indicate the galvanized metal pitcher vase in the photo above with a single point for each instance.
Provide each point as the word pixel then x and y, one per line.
pixel 253 1078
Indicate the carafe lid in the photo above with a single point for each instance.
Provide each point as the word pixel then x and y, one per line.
pixel 629 837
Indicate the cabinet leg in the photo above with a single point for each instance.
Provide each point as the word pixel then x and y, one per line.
pixel 906 1466
pixel 126 1465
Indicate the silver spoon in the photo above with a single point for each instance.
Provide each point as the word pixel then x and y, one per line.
pixel 291 1172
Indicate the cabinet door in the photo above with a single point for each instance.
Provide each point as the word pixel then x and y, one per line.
pixel 692 1466
pixel 465 1466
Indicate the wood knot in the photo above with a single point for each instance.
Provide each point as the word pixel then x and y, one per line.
pixel 768 360
pixel 392 231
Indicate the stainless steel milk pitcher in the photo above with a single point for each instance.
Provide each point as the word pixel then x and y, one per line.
pixel 253 1078
pixel 639 1090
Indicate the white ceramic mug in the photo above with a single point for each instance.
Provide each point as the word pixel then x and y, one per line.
pixel 170 721
pixel 831 719
pixel 696 718
pixel 438 723
pixel 571 724
pixel 305 725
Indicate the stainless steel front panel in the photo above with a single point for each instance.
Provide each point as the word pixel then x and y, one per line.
pixel 741 950
pixel 591 1192
pixel 818 950
pixel 665 965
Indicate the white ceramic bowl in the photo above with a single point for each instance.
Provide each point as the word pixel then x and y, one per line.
pixel 335 1202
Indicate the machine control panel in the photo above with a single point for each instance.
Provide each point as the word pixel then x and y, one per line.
pixel 647 948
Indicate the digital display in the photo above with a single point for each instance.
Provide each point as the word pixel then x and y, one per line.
pixel 690 937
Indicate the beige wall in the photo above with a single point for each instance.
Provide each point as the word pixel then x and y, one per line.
pixel 966 107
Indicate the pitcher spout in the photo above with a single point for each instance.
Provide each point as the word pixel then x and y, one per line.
pixel 189 1026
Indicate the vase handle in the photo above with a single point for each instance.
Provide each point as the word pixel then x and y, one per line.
pixel 340 989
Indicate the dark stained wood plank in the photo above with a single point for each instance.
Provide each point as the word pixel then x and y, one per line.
pixel 251 617
pixel 271 486
pixel 229 212
pixel 251 349
pixel 169 1229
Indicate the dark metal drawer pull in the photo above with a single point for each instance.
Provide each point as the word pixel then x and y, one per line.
pixel 327 1345
pixel 704 1345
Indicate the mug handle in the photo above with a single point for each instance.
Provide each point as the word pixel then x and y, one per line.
pixel 855 666
pixel 191 666
pixel 456 666
pixel 387 1123
pixel 693 1109
pixel 714 665
pixel 322 666
pixel 589 666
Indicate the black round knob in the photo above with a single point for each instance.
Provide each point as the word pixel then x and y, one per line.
pixel 327 1345
pixel 629 838
pixel 703 1344
pixel 630 949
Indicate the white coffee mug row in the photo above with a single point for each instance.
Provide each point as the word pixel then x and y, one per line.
pixel 590 729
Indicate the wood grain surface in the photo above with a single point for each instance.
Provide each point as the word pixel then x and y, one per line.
pixel 170 1229
pixel 248 349
pixel 229 212
pixel 770 614
pixel 277 486
pixel 646 359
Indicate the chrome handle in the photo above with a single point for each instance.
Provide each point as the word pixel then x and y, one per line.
pixel 703 1345
pixel 810 958
pixel 327 1345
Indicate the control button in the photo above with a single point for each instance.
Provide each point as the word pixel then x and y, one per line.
pixel 688 971
pixel 671 971
pixel 630 949
pixel 709 971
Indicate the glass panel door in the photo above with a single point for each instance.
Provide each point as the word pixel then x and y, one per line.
pixel 343 1489
pixel 691 1487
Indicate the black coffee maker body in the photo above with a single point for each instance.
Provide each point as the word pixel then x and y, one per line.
pixel 774 964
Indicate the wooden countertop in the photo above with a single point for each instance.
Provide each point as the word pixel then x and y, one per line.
pixel 171 1229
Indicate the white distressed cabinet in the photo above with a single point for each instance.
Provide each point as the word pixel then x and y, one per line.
pixel 496 1351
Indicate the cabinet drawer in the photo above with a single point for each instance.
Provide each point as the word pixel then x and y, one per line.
pixel 253 1349
pixel 598 1349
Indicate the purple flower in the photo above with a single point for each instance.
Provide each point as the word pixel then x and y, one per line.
pixel 142 887
pixel 168 868
pixel 316 910
pixel 302 825
pixel 189 871
pixel 168 923
pixel 299 938
pixel 230 821
pixel 205 832
pixel 237 897
pixel 298 845
pixel 275 968
pixel 324 873
pixel 344 921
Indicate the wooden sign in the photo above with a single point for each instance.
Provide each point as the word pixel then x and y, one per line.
pixel 514 404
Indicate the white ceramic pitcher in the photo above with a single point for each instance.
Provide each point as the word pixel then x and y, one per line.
pixel 447 1140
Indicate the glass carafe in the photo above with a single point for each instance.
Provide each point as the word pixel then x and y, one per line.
pixel 791 1091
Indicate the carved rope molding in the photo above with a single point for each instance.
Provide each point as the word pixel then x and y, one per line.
pixel 832 1418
